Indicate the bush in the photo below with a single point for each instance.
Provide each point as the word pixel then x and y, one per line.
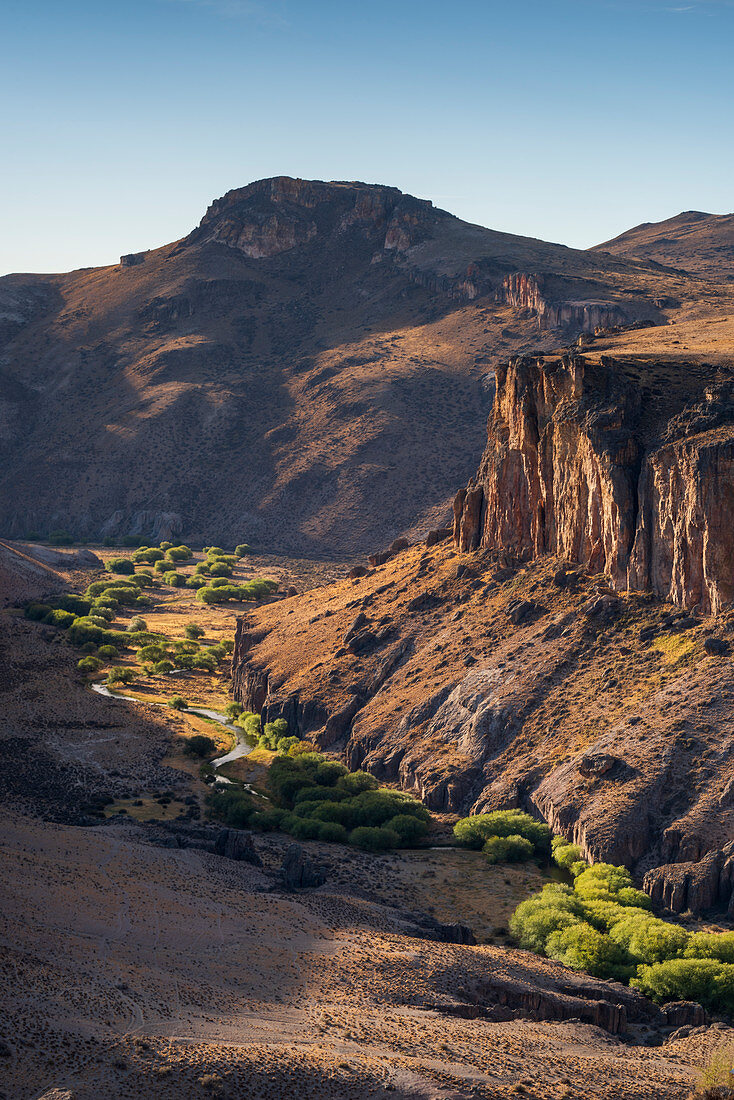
pixel 148 554
pixel 36 612
pixel 473 832
pixel 162 566
pixel 121 675
pixel 161 668
pixel 63 619
pixel 711 945
pixel 136 623
pixel 232 807
pixel 647 939
pixel 194 631
pixel 60 538
pixel 70 601
pixel 175 580
pixel 583 948
pixel 179 553
pixel 120 565
pixel 108 652
pixel 567 855
pixel 195 582
pixel 554 908
pixel 154 652
pixel 178 702
pixel 221 569
pixel 373 840
pixel 332 833
pixel 241 549
pixel 408 828
pixel 199 744
pixel 508 849
pixel 705 980
pixel 89 664
pixel 357 782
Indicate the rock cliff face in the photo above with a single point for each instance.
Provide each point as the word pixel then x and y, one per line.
pixel 585 463
pixel 275 215
pixel 527 292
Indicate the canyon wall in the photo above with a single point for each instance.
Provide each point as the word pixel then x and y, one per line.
pixel 584 463
pixel 527 292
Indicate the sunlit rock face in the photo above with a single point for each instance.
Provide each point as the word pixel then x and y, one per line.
pixel 580 464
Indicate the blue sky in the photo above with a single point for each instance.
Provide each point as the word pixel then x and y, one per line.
pixel 569 120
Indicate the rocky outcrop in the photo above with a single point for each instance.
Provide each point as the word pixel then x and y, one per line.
pixel 527 292
pixel 275 215
pixel 299 871
pixel 582 463
pixel 694 887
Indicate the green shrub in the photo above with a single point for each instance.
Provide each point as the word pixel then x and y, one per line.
pixel 473 832
pixel 355 783
pixel 148 554
pixel 220 569
pixel 175 580
pixel 581 947
pixel 567 855
pixel 508 849
pixel 711 945
pixel 63 619
pixel 89 664
pixel 162 566
pixel 36 612
pixel 120 565
pixel 60 538
pixel 554 908
pixel 372 839
pixel 160 668
pixel 332 833
pixel 268 819
pixel 165 546
pixel 194 631
pixel 178 702
pixel 199 744
pixel 154 652
pixel 179 553
pixel 408 828
pixel 70 601
pixel 232 807
pixel 707 981
pixel 241 549
pixel 121 675
pixel 108 652
pixel 195 582
pixel 647 939
pixel 136 623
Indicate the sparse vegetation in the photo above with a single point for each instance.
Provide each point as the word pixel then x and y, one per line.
pixel 199 744
pixel 177 702
pixel 120 565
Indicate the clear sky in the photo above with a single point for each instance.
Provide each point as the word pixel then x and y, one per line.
pixel 569 120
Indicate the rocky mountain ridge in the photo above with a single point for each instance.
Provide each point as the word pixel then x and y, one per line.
pixel 330 345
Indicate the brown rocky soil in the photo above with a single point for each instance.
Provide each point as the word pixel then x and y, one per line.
pixel 480 685
pixel 134 967
pixel 697 242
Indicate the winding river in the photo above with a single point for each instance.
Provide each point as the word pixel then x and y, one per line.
pixel 242 746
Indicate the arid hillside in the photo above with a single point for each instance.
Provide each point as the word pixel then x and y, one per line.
pixel 700 243
pixel 310 369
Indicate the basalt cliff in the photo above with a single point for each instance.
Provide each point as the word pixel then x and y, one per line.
pixel 585 463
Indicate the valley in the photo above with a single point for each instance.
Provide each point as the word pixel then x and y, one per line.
pixel 427 791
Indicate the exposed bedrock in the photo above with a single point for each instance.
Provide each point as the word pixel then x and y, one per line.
pixel 528 292
pixel 585 463
pixel 275 215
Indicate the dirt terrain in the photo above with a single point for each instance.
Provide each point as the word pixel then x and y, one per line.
pixel 693 241
pixel 134 967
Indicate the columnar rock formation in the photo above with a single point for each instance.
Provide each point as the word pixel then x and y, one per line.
pixel 527 292
pixel 584 462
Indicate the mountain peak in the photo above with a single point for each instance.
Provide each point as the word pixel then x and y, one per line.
pixel 277 214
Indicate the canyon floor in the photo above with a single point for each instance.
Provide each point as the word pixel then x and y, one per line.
pixel 135 969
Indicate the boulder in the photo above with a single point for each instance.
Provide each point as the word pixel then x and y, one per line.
pixel 438 534
pixel 299 871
